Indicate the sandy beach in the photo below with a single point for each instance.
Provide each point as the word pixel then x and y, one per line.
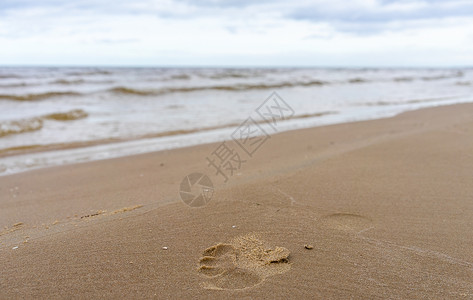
pixel 372 209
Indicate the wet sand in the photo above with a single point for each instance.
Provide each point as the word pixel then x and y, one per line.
pixel 373 209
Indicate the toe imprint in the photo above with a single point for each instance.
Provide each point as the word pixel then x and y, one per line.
pixel 245 262
pixel 347 221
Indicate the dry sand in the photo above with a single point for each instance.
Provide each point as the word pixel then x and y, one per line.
pixel 375 209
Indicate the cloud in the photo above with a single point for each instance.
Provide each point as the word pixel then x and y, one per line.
pixel 160 8
pixel 367 16
pixel 244 32
pixel 225 3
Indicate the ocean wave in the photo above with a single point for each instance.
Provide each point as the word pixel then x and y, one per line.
pixel 89 72
pixel 440 77
pixel 75 114
pixel 314 115
pixel 403 79
pixel 428 78
pixel 174 106
pixel 131 91
pixel 414 101
pixel 20 126
pixel 357 80
pixel 36 123
pixel 229 125
pixel 9 76
pixel 11 85
pixel 235 73
pixel 227 75
pixel 37 96
pixel 68 82
pixel 55 82
pixel 179 77
pixel 262 86
pixel 258 86
pixel 235 87
pixel 80 81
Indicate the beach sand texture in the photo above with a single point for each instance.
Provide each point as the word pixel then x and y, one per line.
pixel 372 209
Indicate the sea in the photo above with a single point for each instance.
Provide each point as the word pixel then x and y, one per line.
pixel 52 116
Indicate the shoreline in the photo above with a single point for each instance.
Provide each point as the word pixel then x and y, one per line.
pixel 34 157
pixel 385 206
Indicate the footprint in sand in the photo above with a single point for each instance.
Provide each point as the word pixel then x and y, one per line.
pixel 348 222
pixel 243 263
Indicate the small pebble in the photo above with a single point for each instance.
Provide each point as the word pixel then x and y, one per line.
pixel 309 247
pixel 234 226
pixel 16 247
pixel 165 248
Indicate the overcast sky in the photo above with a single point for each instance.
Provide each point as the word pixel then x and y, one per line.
pixel 237 33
